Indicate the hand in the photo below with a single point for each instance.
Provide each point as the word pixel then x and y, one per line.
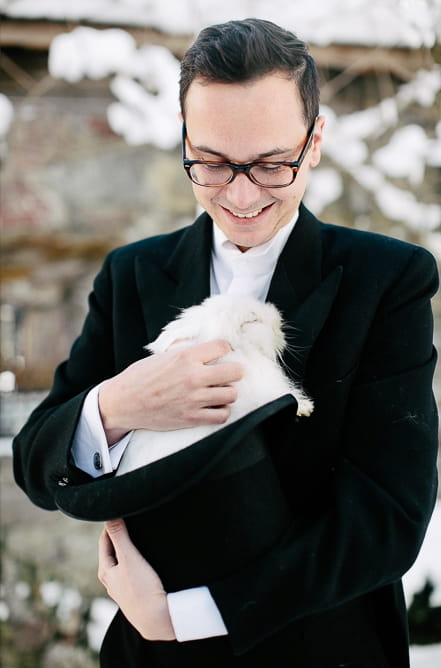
pixel 133 584
pixel 172 390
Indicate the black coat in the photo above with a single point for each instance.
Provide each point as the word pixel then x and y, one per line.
pixel 359 475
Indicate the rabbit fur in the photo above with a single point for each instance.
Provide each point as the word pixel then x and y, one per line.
pixel 254 331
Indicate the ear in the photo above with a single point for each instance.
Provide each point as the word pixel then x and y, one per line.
pixel 317 142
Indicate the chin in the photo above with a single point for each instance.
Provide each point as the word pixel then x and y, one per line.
pixel 248 234
pixel 252 238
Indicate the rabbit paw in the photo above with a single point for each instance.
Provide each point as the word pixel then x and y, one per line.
pixel 305 407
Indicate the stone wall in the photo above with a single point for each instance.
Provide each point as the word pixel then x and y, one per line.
pixel 71 191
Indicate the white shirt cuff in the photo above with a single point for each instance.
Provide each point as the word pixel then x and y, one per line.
pixel 195 615
pixel 90 450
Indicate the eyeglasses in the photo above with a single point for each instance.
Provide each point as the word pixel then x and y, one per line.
pixel 265 174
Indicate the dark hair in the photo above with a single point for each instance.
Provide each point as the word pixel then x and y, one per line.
pixel 239 51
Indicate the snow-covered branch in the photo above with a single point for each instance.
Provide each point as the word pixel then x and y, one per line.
pixel 405 154
pixel 145 85
pixel 145 81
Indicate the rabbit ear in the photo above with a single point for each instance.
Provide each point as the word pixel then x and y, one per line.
pixel 162 343
pixel 185 328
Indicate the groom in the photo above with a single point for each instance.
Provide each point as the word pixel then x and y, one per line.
pixel 359 475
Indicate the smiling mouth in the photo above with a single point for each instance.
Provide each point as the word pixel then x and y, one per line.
pixel 251 214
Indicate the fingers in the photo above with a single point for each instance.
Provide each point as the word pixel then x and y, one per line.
pixel 223 373
pixel 106 557
pixel 118 537
pixel 211 389
pixel 212 351
pixel 169 391
pixel 214 415
pixel 218 374
pixel 113 547
pixel 215 397
pixel 108 545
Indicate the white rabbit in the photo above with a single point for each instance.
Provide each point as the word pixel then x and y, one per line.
pixel 254 331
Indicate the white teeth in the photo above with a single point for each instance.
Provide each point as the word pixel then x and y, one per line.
pixel 247 215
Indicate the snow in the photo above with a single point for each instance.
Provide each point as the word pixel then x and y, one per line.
pixel 427 566
pixel 6 118
pixel 423 88
pixel 69 603
pixel 428 563
pixel 402 206
pixel 145 86
pixel 6 115
pixel 412 23
pixel 433 155
pixel 141 117
pixel 425 656
pixel 56 595
pixel 7 381
pixel 102 611
pixel 22 590
pixel 86 52
pixel 405 154
pixel 325 187
pixel 147 112
pixel 51 593
pixel 145 82
pixel 4 612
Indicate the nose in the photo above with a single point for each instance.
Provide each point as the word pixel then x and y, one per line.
pixel 243 193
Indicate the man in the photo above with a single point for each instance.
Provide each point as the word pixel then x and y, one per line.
pixel 360 473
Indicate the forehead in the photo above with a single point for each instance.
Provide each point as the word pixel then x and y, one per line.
pixel 232 117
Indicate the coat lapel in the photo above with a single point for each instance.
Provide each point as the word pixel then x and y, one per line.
pixel 301 292
pixel 182 281
pixel 298 287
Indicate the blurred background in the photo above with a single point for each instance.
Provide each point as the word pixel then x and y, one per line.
pixel 90 159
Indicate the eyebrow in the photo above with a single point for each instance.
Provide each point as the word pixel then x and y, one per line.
pixel 260 156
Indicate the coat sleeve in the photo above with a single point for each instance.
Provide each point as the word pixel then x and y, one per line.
pixel 383 486
pixel 41 450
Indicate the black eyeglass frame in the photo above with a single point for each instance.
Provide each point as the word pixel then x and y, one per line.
pixel 246 168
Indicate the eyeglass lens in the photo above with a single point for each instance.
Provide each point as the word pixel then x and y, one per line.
pixel 264 174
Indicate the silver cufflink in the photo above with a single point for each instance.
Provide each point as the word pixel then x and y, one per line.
pixel 97 461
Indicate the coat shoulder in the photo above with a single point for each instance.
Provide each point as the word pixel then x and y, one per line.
pixel 373 251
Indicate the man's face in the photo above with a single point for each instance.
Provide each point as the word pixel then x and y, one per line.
pixel 261 120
